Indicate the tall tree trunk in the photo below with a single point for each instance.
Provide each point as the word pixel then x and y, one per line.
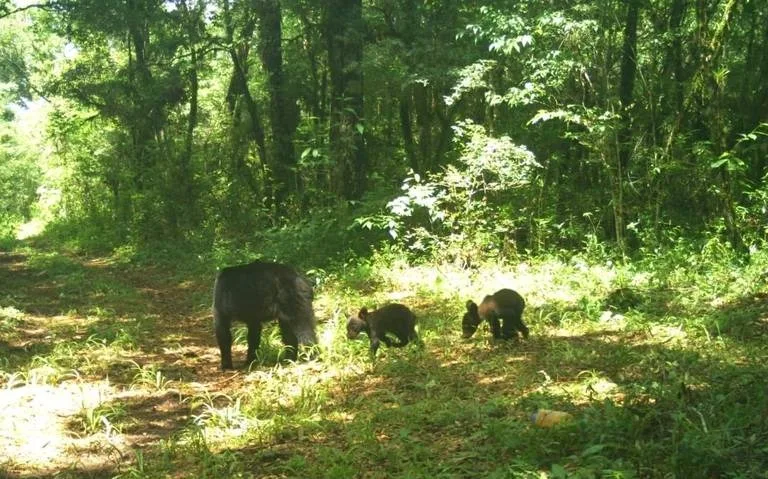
pixel 627 83
pixel 717 123
pixel 422 97
pixel 626 97
pixel 407 35
pixel 183 187
pixel 186 162
pixel 444 117
pixel 318 176
pixel 344 31
pixel 674 61
pixel 758 112
pixel 282 108
pixel 141 80
pixel 316 94
pixel 406 129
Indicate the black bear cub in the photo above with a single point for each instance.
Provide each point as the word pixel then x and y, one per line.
pixel 395 319
pixel 504 305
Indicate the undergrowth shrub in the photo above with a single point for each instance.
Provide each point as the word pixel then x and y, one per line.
pixel 469 209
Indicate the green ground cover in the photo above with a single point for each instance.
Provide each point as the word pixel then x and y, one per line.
pixel 108 367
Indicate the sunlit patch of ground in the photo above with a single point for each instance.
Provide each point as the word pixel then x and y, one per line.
pixel 36 433
pixel 122 397
pixel 30 229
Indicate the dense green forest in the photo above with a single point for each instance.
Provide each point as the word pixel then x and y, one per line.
pixel 606 159
pixel 441 127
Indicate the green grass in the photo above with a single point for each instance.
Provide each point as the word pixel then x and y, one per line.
pixel 662 363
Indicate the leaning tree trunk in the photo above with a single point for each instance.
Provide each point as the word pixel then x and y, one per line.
pixel 239 95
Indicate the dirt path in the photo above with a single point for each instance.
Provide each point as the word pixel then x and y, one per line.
pixel 90 419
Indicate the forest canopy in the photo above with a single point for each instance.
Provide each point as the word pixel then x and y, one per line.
pixel 443 128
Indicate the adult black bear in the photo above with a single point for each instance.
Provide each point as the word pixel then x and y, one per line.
pixel 504 304
pixel 396 319
pixel 258 292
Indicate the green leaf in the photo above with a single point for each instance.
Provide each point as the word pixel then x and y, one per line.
pixel 559 471
pixel 718 163
pixel 594 449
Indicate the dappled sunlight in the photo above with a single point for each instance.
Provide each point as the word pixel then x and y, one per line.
pixel 101 262
pixel 485 381
pixel 187 285
pixel 30 229
pixel 600 386
pixel 152 338
pixel 584 389
pixel 407 281
pixel 341 416
pixel 539 283
pixel 664 334
pixel 517 359
pixel 34 431
pixel 90 424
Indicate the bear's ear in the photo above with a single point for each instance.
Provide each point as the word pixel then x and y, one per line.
pixel 471 304
pixel 363 313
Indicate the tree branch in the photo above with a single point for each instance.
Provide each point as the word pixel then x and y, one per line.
pixel 8 13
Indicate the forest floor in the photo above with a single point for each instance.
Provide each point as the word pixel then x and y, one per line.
pixel 110 369
pixel 65 311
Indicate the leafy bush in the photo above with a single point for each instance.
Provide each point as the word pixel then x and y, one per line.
pixel 19 180
pixel 470 208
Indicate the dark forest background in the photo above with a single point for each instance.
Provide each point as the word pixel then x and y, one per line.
pixel 446 129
